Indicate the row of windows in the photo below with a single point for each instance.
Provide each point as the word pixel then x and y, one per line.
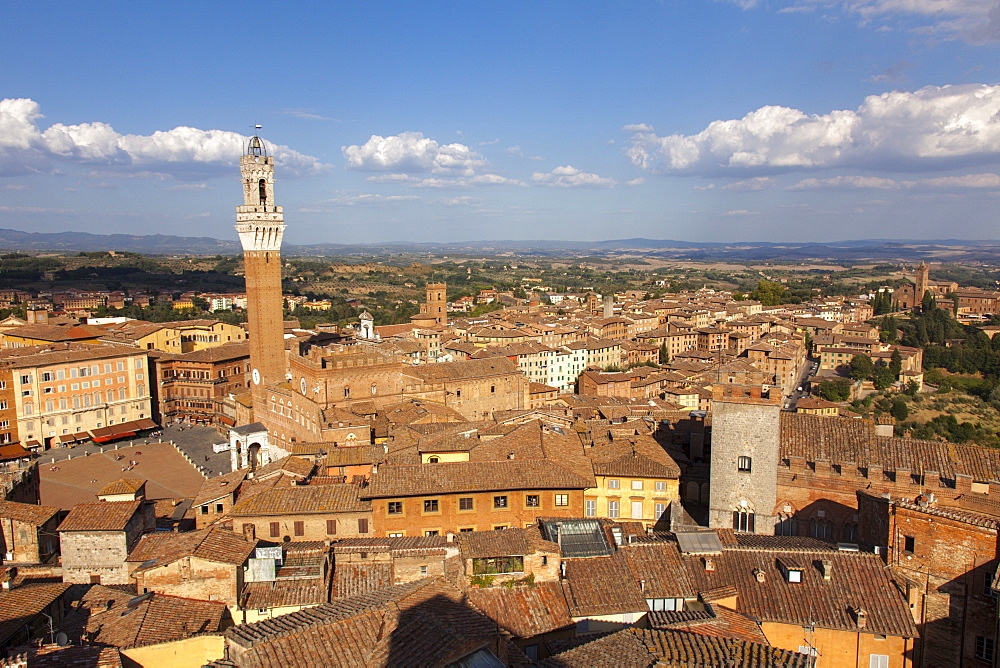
pixel 467 503
pixel 659 486
pixel 299 527
pixel 80 372
pixel 590 509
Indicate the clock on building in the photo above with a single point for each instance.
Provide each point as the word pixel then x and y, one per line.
pixel 256 377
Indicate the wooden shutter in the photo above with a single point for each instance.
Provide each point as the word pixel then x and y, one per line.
pixel 331 527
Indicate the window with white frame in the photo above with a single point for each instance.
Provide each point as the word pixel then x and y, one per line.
pixel 614 484
pixel 878 661
pixel 661 486
pixel 590 508
pixel 636 484
pixel 744 465
pixel 612 509
pixel 984 648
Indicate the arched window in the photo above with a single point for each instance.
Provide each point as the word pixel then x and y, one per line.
pixel 262 191
pixel 822 529
pixel 743 521
pixel 849 533
pixel 374 388
pixel 786 525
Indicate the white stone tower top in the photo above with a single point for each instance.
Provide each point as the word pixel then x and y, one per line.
pixel 259 221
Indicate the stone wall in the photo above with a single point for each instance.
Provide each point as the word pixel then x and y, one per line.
pixel 744 427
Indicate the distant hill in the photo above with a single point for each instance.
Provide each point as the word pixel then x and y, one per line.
pixel 852 250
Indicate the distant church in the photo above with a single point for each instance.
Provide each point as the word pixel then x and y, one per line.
pixel 910 296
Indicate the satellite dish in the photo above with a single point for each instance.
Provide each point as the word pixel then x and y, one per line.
pixel 62 639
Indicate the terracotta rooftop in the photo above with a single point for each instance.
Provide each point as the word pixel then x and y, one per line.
pixel 104 516
pixel 426 622
pixel 18 606
pixel 858 580
pixel 845 440
pixel 451 477
pixel 308 499
pixel 655 647
pixel 501 543
pixel 212 544
pixel 463 370
pixel 27 512
pixel 109 616
pixel 73 656
pixel 122 486
pixel 524 611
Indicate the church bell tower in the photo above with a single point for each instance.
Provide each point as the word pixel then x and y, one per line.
pixel 260 224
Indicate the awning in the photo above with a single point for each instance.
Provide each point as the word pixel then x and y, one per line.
pixel 112 432
pixel 144 423
pixel 67 438
pixel 13 451
pixel 123 430
pixel 32 444
pixel 81 436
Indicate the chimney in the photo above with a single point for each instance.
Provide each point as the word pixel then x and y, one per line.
pixel 642 585
pixel 759 574
pixel 860 617
pixel 374 469
pixel 709 565
pixel 450 537
pixel 826 567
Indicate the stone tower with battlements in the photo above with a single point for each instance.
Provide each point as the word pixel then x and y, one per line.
pixel 260 224
pixel 437 302
pixel 743 488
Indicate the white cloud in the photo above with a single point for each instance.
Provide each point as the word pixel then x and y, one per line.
pixel 976 21
pixel 412 152
pixel 391 178
pixel 26 148
pixel 739 212
pixel 637 127
pixel 307 115
pixel 33 209
pixel 571 177
pixel 846 183
pixel 14 186
pixel 925 129
pixel 974 181
pixel 458 201
pixel 189 187
pixel 477 180
pixel 751 185
pixel 364 199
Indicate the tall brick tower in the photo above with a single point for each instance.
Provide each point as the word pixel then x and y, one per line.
pixel 437 302
pixel 920 284
pixel 260 224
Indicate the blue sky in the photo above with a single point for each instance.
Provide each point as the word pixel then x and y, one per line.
pixel 697 120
